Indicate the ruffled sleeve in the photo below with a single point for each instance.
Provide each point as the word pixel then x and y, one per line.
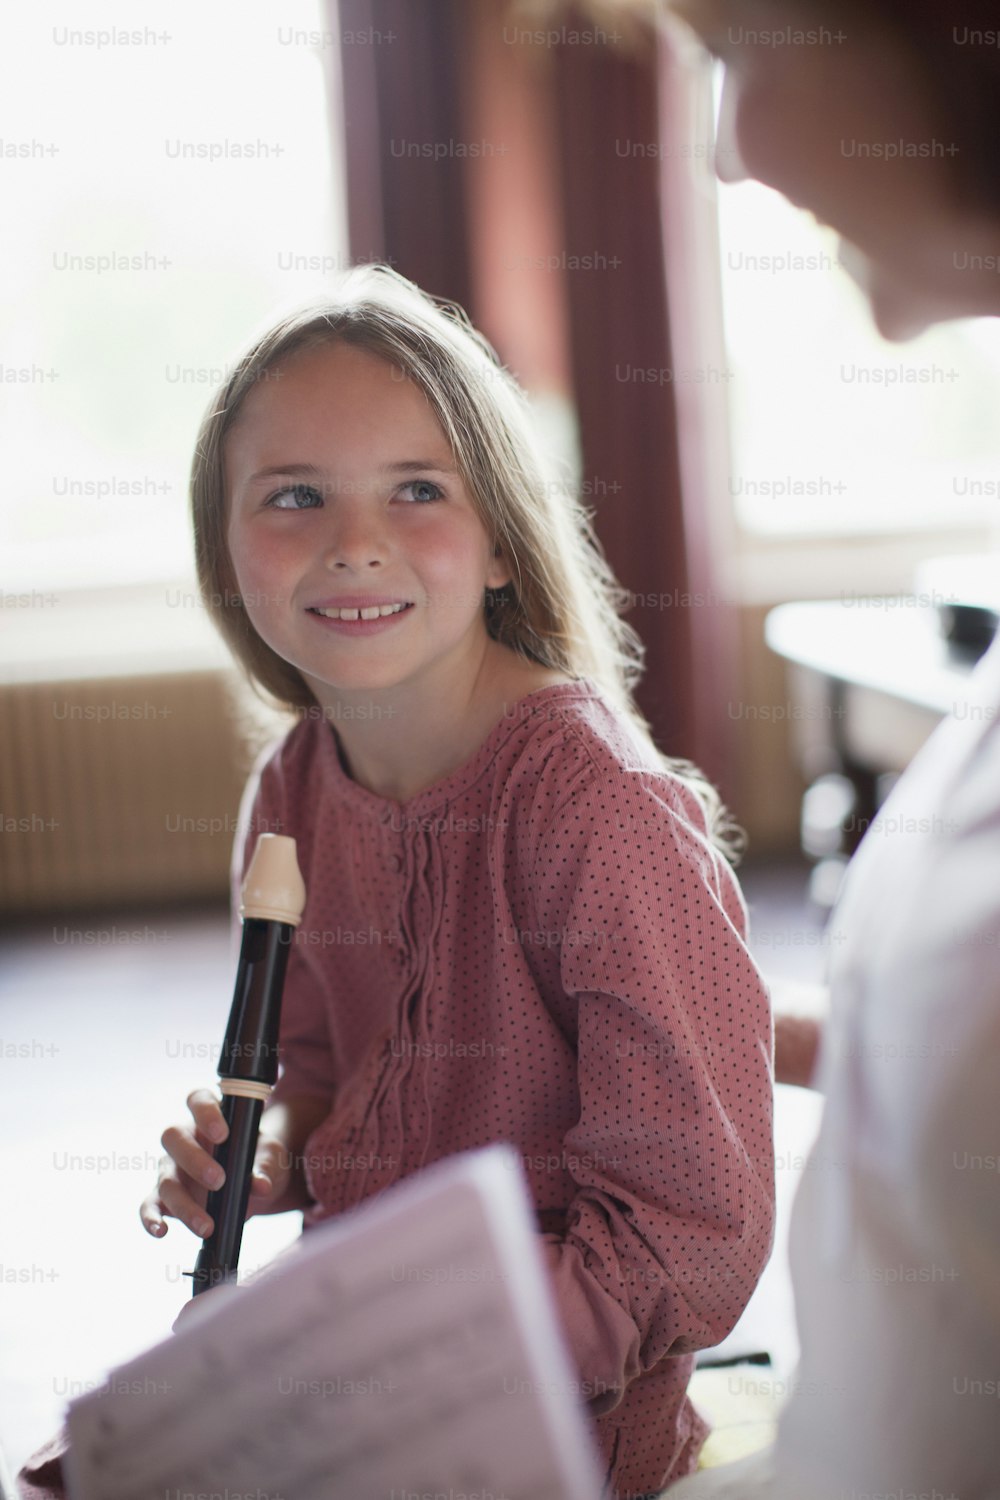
pixel 672 1150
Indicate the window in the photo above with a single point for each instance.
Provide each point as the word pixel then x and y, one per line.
pixel 834 429
pixel 168 183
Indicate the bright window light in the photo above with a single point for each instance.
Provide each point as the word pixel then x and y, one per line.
pixel 168 186
pixel 835 429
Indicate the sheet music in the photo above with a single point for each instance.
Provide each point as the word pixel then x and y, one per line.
pixel 409 1349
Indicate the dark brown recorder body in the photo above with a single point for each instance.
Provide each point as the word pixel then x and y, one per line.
pixel 272 905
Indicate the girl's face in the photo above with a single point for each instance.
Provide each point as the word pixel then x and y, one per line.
pixel 343 496
pixel 840 123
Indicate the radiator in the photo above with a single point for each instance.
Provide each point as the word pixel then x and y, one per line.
pixel 117 791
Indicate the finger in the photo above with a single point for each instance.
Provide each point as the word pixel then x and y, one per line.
pixel 176 1201
pixel 191 1157
pixel 151 1214
pixel 207 1112
pixel 271 1172
pixel 272 1161
pixel 258 1203
pixel 272 1169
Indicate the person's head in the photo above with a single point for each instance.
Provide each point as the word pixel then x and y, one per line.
pixel 881 117
pixel 546 593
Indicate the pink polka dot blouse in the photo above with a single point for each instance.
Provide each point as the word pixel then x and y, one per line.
pixel 543 948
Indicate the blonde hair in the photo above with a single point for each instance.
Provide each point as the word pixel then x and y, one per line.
pixel 562 607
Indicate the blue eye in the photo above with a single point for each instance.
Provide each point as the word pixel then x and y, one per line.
pixel 303 497
pixel 424 491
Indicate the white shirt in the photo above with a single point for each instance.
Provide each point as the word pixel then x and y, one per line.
pixel 895 1238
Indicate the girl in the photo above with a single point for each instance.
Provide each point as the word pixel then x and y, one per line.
pixel 520 923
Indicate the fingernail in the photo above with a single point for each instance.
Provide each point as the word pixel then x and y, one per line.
pixel 217 1131
pixel 202 1227
pixel 215 1177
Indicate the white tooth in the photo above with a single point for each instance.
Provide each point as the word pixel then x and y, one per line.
pixel 371 612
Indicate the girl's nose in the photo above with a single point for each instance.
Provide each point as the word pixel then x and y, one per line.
pixel 355 537
pixel 729 164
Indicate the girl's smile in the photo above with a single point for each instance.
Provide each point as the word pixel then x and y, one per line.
pixel 360 615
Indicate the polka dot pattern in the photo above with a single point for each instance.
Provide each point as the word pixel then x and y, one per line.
pixel 543 948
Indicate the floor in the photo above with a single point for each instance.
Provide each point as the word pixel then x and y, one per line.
pixel 103 1030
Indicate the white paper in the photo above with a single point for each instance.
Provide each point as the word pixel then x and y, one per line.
pixel 406 1351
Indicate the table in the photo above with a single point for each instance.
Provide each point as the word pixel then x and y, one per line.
pixel 870 678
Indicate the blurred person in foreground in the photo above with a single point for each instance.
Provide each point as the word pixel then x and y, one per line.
pixel 882 118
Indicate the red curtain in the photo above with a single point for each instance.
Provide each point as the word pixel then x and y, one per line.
pixel 400 65
pixel 526 180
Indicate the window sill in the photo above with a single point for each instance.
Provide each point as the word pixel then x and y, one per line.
pixel 764 571
pixel 70 636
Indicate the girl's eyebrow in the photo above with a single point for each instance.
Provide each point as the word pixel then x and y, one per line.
pixel 310 471
pixel 411 465
pixel 297 471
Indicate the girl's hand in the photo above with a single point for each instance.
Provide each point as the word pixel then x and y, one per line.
pixel 796 1046
pixel 188 1171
